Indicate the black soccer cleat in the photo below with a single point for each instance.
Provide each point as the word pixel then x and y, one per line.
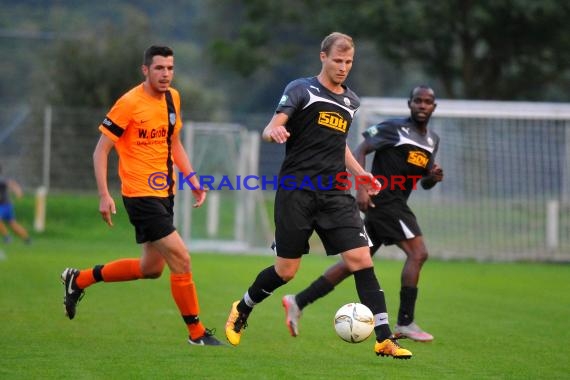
pixel 208 339
pixel 72 293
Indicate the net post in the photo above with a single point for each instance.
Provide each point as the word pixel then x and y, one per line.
pixel 552 214
pixel 40 209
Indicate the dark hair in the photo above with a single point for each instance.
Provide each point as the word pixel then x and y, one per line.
pixel 422 87
pixel 344 42
pixel 163 51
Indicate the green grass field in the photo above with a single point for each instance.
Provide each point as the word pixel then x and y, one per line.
pixel 490 320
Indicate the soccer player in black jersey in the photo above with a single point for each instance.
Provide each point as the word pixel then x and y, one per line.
pixel 405 151
pixel 313 118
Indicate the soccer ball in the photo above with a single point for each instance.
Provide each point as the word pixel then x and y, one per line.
pixel 354 322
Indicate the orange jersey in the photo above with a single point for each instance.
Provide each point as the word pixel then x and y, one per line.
pixel 141 127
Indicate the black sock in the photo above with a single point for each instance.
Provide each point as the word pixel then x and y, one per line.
pixel 372 295
pixel 265 283
pixel 408 297
pixel 319 288
pixel 97 275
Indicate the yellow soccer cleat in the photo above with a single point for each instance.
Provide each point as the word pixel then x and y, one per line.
pixel 390 347
pixel 235 324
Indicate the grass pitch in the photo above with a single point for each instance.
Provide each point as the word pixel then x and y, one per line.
pixel 490 320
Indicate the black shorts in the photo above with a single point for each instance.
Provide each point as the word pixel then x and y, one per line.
pixel 388 224
pixel 335 218
pixel 152 217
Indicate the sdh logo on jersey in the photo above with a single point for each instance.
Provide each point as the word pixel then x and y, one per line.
pixel 418 158
pixel 333 120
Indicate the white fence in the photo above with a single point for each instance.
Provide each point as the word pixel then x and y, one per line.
pixel 506 193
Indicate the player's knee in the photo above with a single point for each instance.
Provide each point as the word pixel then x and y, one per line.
pixel 420 256
pixel 151 275
pixel 179 261
pixel 364 260
pixel 286 274
pixel 152 271
pixel 338 272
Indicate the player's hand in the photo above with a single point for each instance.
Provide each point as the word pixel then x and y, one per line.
pixel 436 173
pixel 107 208
pixel 279 134
pixel 371 185
pixel 200 196
pixel 363 200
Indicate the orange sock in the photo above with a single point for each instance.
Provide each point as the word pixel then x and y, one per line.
pixel 85 278
pixel 119 270
pixel 186 298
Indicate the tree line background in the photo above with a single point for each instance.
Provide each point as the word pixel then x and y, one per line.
pixel 234 57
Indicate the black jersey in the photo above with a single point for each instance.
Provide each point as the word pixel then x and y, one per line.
pixel 402 156
pixel 319 121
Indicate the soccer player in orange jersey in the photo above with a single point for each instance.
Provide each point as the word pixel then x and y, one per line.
pixel 144 128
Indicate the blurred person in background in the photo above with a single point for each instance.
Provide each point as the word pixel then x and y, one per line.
pixel 7 213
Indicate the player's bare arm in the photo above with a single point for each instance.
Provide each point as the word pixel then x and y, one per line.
pixel 15 188
pixel 183 164
pixel 275 131
pixel 363 199
pixel 100 161
pixel 372 187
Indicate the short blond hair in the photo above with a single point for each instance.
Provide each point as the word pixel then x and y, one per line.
pixel 343 41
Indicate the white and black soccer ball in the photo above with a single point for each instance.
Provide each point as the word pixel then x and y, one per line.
pixel 354 322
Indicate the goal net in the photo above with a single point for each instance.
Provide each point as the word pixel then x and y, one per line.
pixel 506 191
pixel 234 217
